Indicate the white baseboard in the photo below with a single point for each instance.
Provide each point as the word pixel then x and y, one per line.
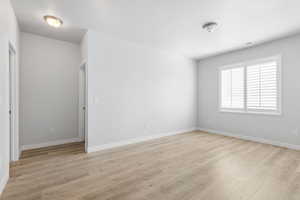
pixel 251 138
pixel 52 143
pixel 3 182
pixel 136 140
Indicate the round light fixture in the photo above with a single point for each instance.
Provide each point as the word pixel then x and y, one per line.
pixel 249 43
pixel 210 26
pixel 53 21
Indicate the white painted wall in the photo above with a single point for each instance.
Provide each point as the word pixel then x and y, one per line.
pixel 281 129
pixel 9 33
pixel 84 48
pixel 136 92
pixel 49 90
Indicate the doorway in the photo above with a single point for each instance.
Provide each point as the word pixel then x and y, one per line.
pixel 83 103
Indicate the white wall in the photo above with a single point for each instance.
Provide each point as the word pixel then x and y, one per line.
pixel 84 48
pixel 281 129
pixel 9 33
pixel 136 92
pixel 49 90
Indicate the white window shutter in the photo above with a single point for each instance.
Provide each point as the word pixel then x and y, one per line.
pixel 226 89
pixel 262 86
pixel 232 86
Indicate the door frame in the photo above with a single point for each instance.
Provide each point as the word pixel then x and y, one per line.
pixel 13 91
pixel 83 75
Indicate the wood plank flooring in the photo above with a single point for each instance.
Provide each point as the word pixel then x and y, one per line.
pixel 191 166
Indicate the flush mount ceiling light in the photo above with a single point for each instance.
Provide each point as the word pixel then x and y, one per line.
pixel 210 26
pixel 53 21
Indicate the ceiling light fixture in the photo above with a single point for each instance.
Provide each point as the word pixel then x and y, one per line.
pixel 249 43
pixel 53 21
pixel 210 26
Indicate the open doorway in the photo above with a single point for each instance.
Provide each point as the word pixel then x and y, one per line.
pixel 49 96
pixel 83 103
pixel 13 132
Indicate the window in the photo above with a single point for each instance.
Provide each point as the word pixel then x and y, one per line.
pixel 251 87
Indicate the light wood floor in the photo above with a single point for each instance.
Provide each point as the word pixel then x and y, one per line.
pixel 192 166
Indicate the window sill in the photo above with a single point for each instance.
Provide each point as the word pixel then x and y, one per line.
pixel 251 112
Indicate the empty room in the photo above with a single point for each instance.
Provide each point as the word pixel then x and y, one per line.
pixel 149 100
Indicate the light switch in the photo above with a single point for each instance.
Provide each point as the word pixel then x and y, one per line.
pixel 97 100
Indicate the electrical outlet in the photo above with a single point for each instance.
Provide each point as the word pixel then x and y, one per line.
pixel 295 132
pixel 147 126
pixel 52 130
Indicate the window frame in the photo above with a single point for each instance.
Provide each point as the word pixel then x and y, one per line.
pixel 245 110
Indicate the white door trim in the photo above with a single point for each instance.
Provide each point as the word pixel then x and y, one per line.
pixel 14 98
pixel 83 134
